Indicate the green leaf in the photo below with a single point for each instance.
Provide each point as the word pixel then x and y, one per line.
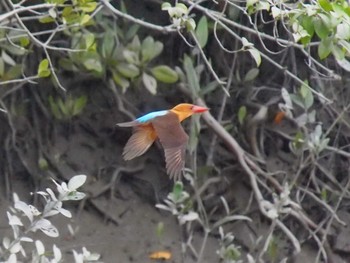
pixel 325 47
pixel 256 55
pixel 123 7
pixel 194 131
pixel 251 74
pixel 202 31
pixel 121 81
pixel 13 72
pixel 242 113
pixel 150 49
pixel 339 10
pixel 298 100
pixel 177 190
pixel 89 40
pixel 54 109
pixel 150 83
pixel 276 12
pixel 69 16
pixel 298 140
pixel 165 74
pixel 321 29
pixel 67 64
pixel 52 12
pixel 131 32
pixel 307 96
pixel 85 19
pixel 2 67
pixel 338 52
pixel 190 24
pixel 108 45
pixel 166 6
pixel 24 41
pixel 128 70
pixel 14 50
pixel 324 194
pixel 263 5
pixel 211 86
pixel 343 31
pixel 46 19
pixel 160 230
pixel 135 45
pixel 43 69
pixel 7 59
pixel 88 7
pixel 251 3
pixel 67 11
pixel 308 25
pixel 131 57
pixel 79 105
pixel 182 7
pixel 326 5
pixel 192 76
pixel 246 44
pixel 62 107
pixel 43 164
pixel 180 10
pixel 92 62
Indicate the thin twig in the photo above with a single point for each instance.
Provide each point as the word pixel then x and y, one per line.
pixel 20 9
pixel 163 29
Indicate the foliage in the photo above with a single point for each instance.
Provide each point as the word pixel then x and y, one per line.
pixel 23 247
pixel 178 202
pixel 68 108
pixel 328 20
pixel 126 63
pixel 179 15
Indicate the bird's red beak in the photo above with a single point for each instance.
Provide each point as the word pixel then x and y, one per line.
pixel 199 109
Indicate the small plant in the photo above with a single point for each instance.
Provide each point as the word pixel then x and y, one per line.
pixel 180 204
pixel 121 55
pixel 280 205
pixel 179 15
pixel 68 108
pixel 22 247
pixel 228 251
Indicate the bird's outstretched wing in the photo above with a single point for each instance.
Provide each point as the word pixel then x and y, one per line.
pixel 173 139
pixel 142 138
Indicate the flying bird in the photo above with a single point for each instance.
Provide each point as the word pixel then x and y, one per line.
pixel 165 126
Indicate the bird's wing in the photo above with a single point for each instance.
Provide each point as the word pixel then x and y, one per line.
pixel 139 142
pixel 173 139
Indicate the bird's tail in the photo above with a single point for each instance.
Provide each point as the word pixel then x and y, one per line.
pixel 128 124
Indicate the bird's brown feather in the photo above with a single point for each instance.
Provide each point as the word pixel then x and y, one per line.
pixel 173 139
pixel 139 142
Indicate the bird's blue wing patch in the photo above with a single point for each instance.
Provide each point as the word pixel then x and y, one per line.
pixel 151 115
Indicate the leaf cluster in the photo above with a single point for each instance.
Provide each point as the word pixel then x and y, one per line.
pixel 329 21
pixel 25 219
pixel 121 55
pixel 66 109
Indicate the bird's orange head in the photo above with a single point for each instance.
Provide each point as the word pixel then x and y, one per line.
pixel 185 110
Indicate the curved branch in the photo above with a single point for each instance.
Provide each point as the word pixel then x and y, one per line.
pixel 163 29
pixel 20 9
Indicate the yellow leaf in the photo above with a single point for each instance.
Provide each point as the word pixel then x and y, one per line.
pixel 160 255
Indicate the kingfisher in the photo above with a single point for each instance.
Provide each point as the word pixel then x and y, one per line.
pixel 165 126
